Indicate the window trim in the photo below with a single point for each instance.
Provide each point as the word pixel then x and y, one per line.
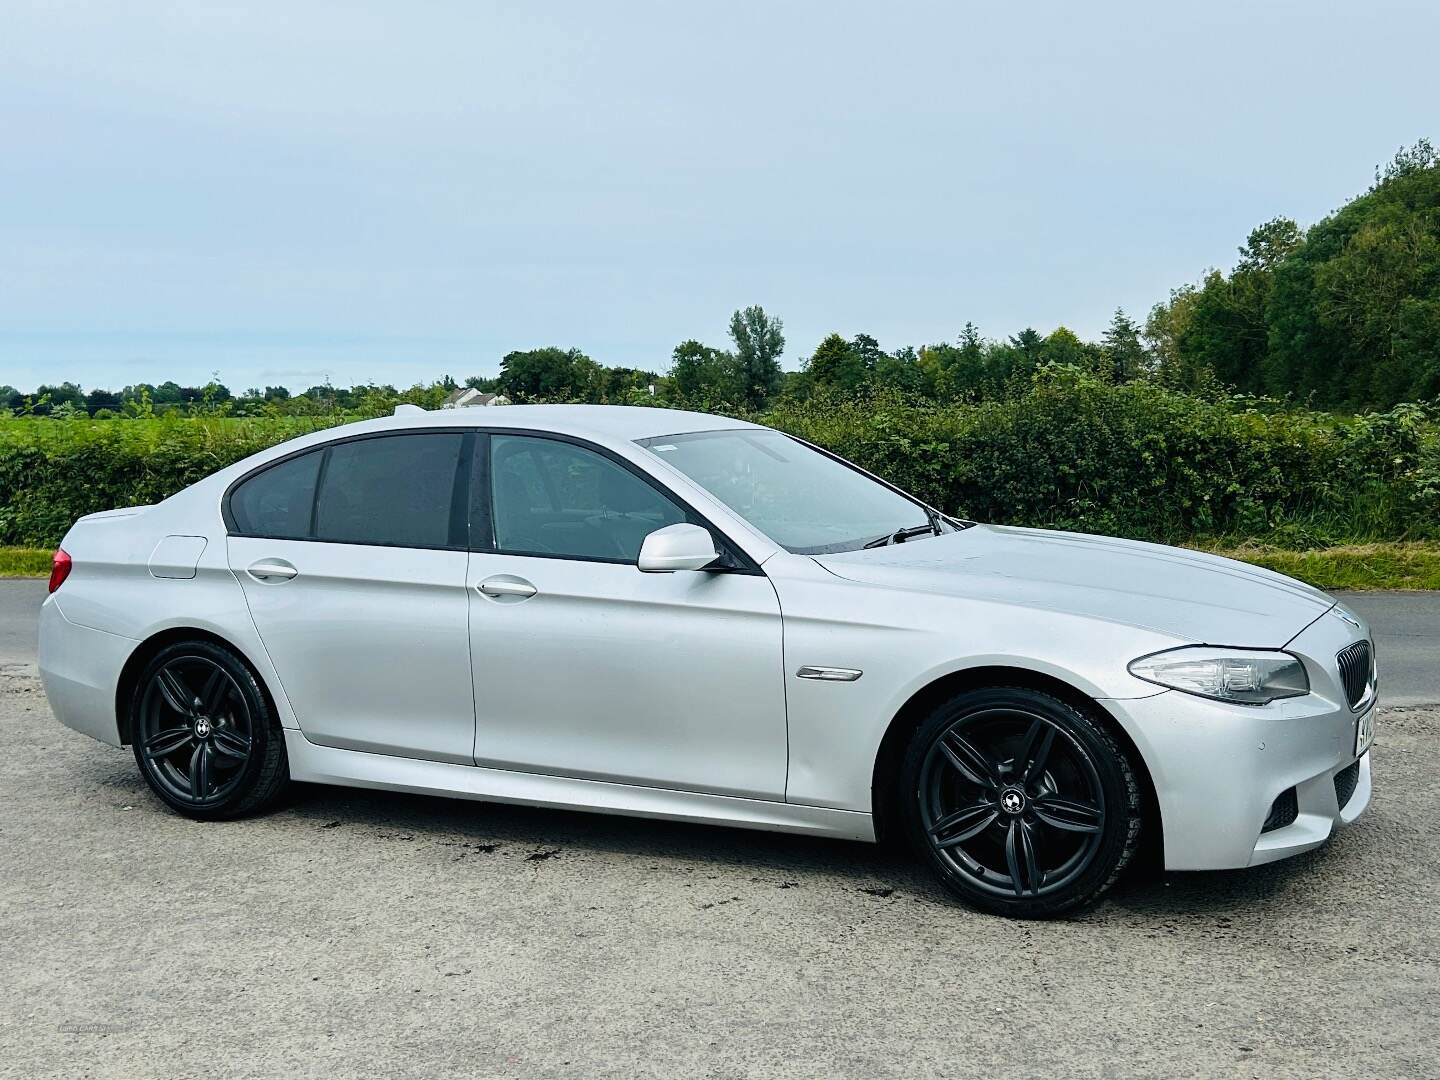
pixel 474 464
pixel 740 562
pixel 323 449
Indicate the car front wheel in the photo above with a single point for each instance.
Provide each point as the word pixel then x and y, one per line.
pixel 1024 804
pixel 204 733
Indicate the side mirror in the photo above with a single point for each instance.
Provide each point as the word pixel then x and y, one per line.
pixel 677 547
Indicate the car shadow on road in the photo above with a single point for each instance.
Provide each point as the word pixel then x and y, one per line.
pixel 1145 895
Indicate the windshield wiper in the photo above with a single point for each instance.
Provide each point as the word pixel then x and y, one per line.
pixel 899 536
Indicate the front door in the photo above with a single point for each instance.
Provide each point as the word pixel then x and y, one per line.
pixel 586 667
pixel 353 563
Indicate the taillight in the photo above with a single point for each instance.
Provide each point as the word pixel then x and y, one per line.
pixel 59 569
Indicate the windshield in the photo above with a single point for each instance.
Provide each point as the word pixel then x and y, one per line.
pixel 806 502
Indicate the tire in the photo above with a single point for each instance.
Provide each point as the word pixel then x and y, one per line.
pixel 205 735
pixel 1024 805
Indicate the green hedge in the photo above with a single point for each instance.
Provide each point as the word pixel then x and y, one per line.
pixel 53 471
pixel 1068 452
pixel 1136 460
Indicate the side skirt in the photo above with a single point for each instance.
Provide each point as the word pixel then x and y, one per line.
pixel 352 768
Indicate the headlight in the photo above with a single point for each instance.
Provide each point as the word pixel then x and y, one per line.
pixel 1244 676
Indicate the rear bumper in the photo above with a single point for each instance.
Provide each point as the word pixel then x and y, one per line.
pixel 80 668
pixel 1219 768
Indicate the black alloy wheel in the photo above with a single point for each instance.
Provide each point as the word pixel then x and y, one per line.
pixel 204 733
pixel 1024 804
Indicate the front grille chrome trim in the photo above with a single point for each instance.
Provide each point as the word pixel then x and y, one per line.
pixel 1356 664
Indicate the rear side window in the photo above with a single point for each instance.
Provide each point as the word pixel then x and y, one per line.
pixel 277 502
pixel 393 490
pixel 396 491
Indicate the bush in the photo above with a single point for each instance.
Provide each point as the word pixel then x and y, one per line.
pixel 1067 451
pixel 52 472
pixel 1074 452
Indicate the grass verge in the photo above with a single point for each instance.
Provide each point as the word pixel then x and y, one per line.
pixel 1398 565
pixel 24 562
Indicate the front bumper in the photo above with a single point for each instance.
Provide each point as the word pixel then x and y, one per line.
pixel 1218 768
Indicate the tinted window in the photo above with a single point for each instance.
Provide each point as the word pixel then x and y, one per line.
pixel 396 490
pixel 554 498
pixel 277 502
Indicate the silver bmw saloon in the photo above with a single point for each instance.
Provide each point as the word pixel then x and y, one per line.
pixel 674 615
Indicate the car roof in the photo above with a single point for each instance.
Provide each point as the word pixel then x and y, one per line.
pixel 604 422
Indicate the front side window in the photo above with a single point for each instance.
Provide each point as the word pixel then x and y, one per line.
pixel 393 490
pixel 554 498
pixel 805 501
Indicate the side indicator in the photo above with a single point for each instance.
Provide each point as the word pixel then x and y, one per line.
pixel 829 674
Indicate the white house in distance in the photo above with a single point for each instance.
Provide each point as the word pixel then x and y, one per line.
pixel 463 397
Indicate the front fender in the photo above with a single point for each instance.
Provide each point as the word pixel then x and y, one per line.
pixel 903 641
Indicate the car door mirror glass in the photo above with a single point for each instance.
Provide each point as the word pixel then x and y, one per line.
pixel 677 547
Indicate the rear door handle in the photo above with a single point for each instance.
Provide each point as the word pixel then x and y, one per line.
pixel 509 587
pixel 272 570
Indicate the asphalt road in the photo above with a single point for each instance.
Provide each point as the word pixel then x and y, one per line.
pixel 361 933
pixel 367 933
pixel 1406 627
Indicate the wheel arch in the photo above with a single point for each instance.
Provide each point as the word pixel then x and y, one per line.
pixel 147 649
pixel 884 781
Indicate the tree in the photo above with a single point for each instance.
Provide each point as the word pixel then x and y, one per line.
pixel 549 374
pixel 759 341
pixel 1029 342
pixel 1343 314
pixel 867 350
pixel 1063 346
pixel 836 366
pixel 1269 243
pixel 101 399
pixel 49 398
pixel 1125 357
pixel 706 377
pixel 901 371
pixel 624 385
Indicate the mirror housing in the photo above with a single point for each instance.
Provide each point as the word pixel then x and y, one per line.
pixel 677 547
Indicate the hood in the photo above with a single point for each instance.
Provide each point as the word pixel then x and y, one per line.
pixel 1194 597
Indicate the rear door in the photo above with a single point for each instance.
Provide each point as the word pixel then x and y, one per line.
pixel 352 558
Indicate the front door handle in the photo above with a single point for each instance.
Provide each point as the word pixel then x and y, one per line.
pixel 506 587
pixel 272 570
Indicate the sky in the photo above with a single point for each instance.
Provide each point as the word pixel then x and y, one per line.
pixel 285 192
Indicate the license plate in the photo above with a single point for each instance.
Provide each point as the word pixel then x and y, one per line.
pixel 1364 732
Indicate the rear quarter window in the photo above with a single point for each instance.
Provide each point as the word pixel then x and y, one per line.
pixel 277 501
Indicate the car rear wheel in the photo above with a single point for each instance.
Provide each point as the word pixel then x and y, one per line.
pixel 204 733
pixel 1025 805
